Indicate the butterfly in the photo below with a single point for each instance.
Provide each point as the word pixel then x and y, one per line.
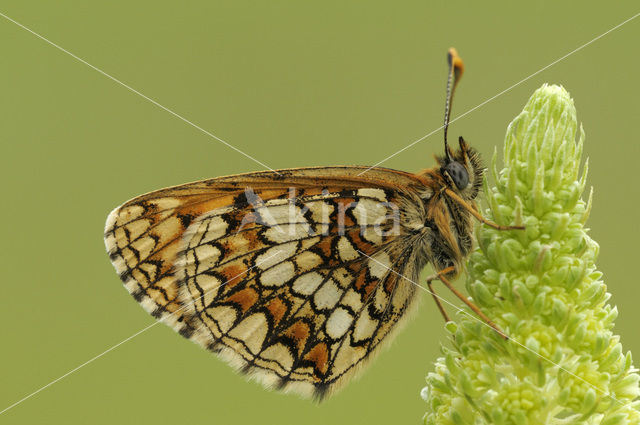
pixel 298 277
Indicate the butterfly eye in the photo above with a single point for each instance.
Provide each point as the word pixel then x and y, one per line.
pixel 458 174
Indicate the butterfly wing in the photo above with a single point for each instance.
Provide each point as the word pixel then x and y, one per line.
pixel 285 276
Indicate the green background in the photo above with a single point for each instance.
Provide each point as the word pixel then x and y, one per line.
pixel 292 84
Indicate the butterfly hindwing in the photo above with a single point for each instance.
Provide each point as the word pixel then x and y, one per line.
pixel 295 281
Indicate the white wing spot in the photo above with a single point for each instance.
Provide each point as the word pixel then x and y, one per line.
pixel 343 277
pixel 352 299
pixel 338 323
pixel 380 298
pixel 287 232
pixel 320 211
pixel 308 260
pixel 346 250
pixel 275 213
pixel 216 228
pixel 307 283
pixel 278 275
pixel 307 243
pixel 327 296
pixel 275 255
pixel 379 265
pixel 373 234
pixel 370 212
pixel 207 257
pixel 365 327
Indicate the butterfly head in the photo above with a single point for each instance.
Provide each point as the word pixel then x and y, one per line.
pixel 462 169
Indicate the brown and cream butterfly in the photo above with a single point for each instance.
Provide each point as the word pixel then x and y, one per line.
pixel 298 277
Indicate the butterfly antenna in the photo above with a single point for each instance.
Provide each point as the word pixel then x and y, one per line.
pixel 456 68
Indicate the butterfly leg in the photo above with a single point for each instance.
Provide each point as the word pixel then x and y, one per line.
pixel 470 304
pixel 430 280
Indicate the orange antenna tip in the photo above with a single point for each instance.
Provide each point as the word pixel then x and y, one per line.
pixel 455 62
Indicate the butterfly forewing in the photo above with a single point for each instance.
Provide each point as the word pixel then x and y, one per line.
pixel 286 276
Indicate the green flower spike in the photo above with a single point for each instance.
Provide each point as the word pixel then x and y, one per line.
pixel 562 363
